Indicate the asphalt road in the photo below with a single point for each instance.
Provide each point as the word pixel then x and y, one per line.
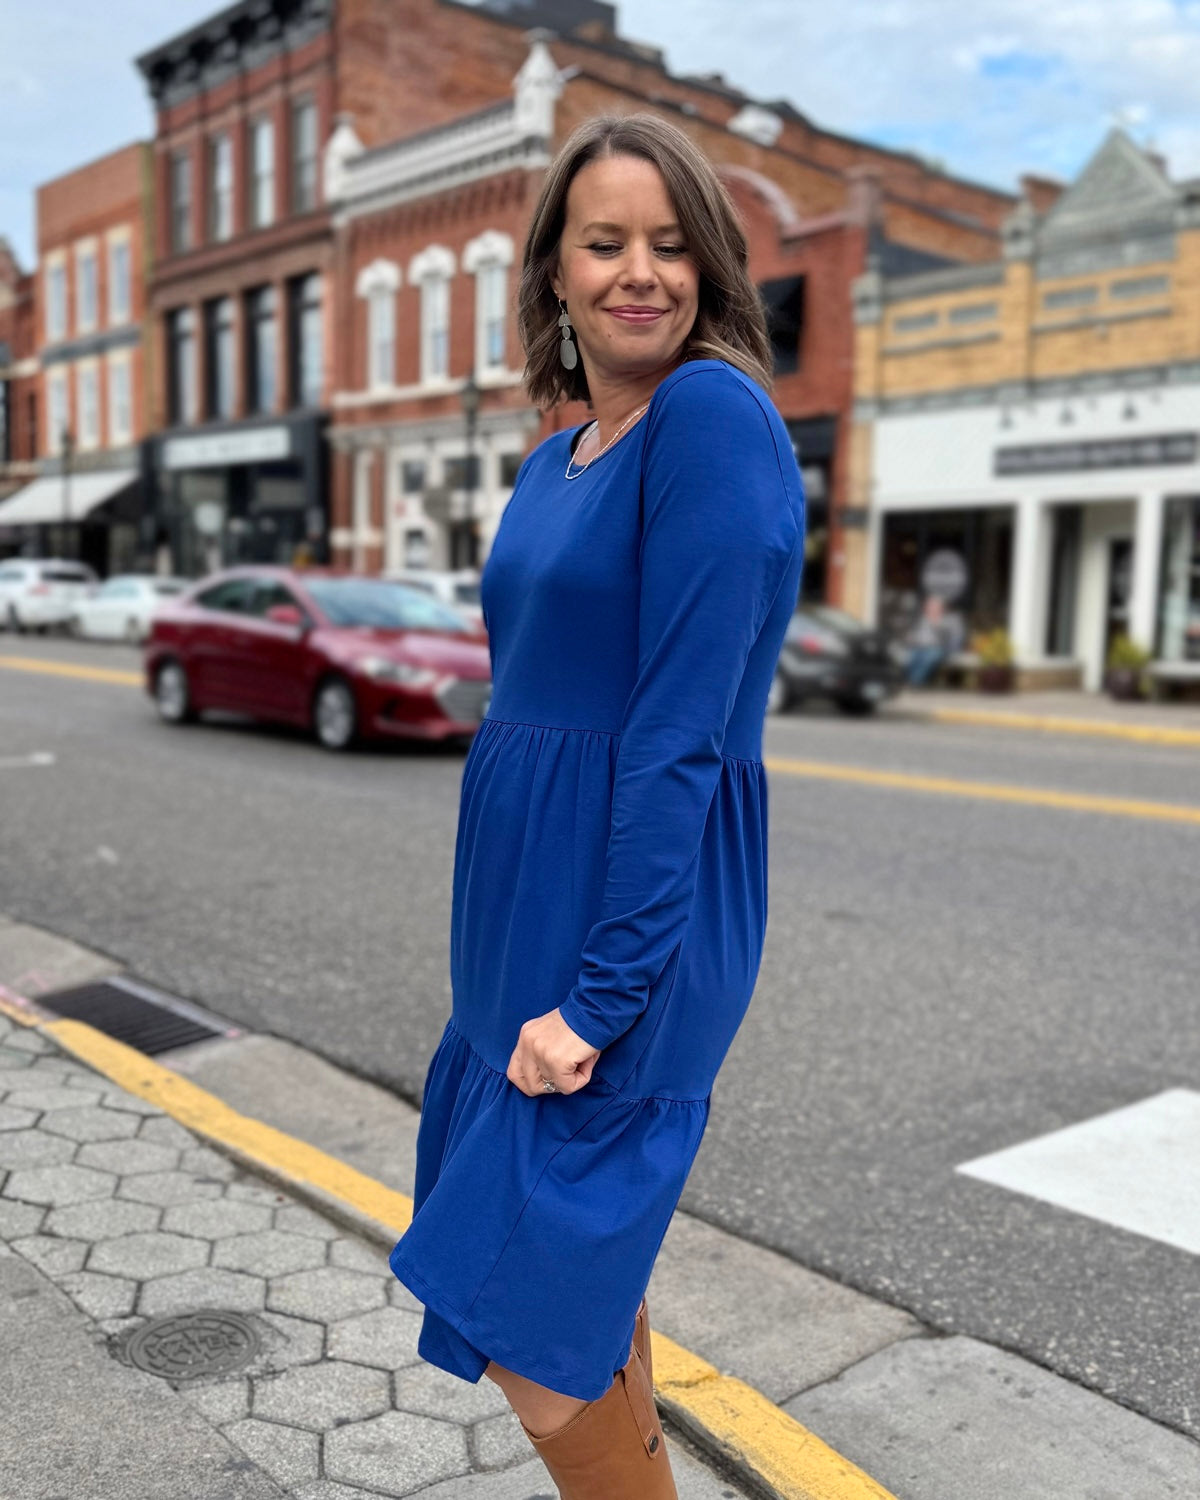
pixel 944 976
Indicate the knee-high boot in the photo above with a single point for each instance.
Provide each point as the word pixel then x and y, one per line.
pixel 614 1448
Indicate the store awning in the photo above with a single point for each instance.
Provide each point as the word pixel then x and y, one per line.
pixel 41 503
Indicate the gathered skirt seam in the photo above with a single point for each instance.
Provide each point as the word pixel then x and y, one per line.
pixel 612 734
pixel 616 1092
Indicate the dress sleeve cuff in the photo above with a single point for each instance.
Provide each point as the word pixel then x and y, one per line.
pixel 582 1024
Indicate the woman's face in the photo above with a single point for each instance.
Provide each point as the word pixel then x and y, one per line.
pixel 624 270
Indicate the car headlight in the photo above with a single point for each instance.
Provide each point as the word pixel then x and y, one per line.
pixel 387 669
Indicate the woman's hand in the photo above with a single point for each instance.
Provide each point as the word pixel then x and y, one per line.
pixel 548 1048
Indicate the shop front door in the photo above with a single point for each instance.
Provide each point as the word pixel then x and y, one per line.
pixel 1119 590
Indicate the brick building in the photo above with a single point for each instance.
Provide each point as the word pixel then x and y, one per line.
pixel 430 231
pixel 260 299
pixel 87 419
pixel 18 379
pixel 1030 424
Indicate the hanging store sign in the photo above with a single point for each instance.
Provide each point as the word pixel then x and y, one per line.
pixel 1103 453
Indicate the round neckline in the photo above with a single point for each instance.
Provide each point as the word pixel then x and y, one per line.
pixel 577 438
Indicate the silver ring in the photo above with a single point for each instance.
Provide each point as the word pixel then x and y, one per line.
pixel 549 1086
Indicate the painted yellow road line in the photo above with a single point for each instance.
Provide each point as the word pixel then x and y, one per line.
pixel 69 669
pixel 1145 734
pixel 727 1416
pixel 1120 807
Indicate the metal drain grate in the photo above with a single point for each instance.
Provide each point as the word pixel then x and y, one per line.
pixel 137 1015
pixel 187 1346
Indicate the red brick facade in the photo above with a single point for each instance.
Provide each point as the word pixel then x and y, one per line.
pixel 18 374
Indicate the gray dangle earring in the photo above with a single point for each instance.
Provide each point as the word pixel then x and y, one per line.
pixel 567 351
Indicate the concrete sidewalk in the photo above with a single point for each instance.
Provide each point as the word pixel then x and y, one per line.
pixel 115 1215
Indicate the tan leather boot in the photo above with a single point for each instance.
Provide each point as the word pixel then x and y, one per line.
pixel 614 1448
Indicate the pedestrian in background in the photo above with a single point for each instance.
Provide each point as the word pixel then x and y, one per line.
pixel 937 635
pixel 609 896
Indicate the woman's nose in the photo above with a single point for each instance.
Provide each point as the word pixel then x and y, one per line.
pixel 639 268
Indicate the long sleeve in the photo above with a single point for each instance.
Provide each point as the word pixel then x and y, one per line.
pixel 719 533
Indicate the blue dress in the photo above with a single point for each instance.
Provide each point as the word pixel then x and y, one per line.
pixel 610 860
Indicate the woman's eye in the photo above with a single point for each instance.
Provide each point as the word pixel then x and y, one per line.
pixel 674 250
pixel 604 247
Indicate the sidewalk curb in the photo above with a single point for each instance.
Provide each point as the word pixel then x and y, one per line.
pixel 732 1422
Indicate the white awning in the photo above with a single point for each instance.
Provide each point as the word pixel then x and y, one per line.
pixel 41 503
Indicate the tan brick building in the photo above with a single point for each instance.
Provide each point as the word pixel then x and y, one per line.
pixel 1032 424
pixel 89 333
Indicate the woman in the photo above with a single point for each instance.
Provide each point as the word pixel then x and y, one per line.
pixel 609 900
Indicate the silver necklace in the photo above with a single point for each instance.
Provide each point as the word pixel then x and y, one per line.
pixel 607 446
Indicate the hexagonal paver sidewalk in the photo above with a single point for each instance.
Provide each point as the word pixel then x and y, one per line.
pixel 134 1218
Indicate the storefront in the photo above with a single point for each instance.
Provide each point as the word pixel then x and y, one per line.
pixel 814 440
pixel 1074 518
pixel 249 493
pixel 92 515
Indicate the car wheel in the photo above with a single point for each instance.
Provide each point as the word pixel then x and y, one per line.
pixel 858 708
pixel 133 633
pixel 335 714
pixel 172 694
pixel 14 621
pixel 777 694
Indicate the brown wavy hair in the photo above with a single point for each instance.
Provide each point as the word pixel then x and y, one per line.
pixel 730 322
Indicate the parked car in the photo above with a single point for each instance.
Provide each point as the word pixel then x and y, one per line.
pixel 457 587
pixel 37 593
pixel 346 656
pixel 829 654
pixel 122 607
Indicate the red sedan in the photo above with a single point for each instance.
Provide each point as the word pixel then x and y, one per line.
pixel 348 657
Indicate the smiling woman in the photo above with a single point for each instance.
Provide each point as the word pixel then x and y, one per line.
pixel 609 901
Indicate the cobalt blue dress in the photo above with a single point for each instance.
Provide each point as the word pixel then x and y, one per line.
pixel 611 860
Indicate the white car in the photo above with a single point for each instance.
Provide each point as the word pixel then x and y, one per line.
pixel 459 588
pixel 36 593
pixel 122 608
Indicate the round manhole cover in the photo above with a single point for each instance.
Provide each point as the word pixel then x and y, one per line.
pixel 187 1345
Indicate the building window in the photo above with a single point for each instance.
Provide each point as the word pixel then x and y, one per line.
pixel 1140 286
pixel 510 467
pixel 119 297
pixel 120 400
pixel 304 156
pixel 431 271
pixel 915 322
pixel 181 201
pixel 56 409
pixel 219 358
pixel 87 397
pixel 488 258
pixel 262 323
pixel 5 423
pixel 378 284
pixel 305 342
pixel 56 302
pixel 1071 296
pixel 1179 584
pixel 181 365
pixel 262 174
pixel 86 312
pixel 220 188
pixel 975 312
pixel 412 476
pixel 783 301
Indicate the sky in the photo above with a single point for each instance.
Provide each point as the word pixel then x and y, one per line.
pixel 988 89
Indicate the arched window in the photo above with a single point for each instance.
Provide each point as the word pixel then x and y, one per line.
pixel 488 258
pixel 378 284
pixel 431 270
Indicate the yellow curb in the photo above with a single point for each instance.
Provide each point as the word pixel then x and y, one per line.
pixel 1121 807
pixel 731 1418
pixel 67 669
pixel 1146 734
pixel 748 1430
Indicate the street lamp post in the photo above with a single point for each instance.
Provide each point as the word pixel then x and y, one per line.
pixel 470 405
pixel 67 444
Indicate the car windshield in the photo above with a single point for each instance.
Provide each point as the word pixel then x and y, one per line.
pixel 467 593
pixel 380 605
pixel 168 586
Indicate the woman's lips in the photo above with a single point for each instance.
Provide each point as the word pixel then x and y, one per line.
pixel 637 314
